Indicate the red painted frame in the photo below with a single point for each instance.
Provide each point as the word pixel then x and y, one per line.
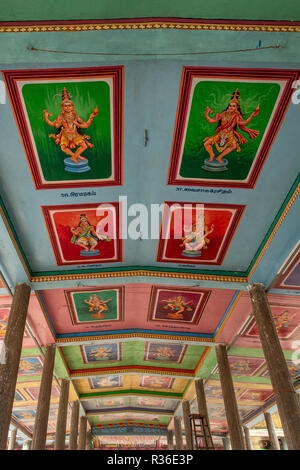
pixel 188 74
pixel 11 77
pixel 233 226
pixel 46 213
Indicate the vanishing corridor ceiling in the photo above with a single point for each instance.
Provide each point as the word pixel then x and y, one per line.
pixel 168 127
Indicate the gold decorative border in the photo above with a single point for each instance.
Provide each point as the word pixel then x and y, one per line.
pixel 131 273
pixel 134 335
pixel 195 25
pixel 190 375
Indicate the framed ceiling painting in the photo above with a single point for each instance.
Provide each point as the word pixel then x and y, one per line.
pixel 289 277
pixel 176 305
pixel 197 233
pixel 226 122
pixel 96 305
pixel 110 352
pixel 164 352
pixel 84 233
pixel 71 124
pixel 286 320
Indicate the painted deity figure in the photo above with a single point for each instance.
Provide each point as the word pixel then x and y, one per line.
pixel 227 138
pixel 164 353
pixel 283 320
pixel 3 323
pixel 26 366
pixel 101 352
pixel 196 237
pixel 69 122
pixel 99 305
pixel 178 305
pixel 85 236
pixel 241 366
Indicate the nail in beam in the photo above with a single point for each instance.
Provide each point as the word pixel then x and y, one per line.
pixel 61 425
pixel 10 357
pixel 82 433
pixel 271 431
pixel 178 433
pixel 186 411
pixel 170 439
pixel 230 403
pixel 43 406
pixel 74 426
pixel 285 395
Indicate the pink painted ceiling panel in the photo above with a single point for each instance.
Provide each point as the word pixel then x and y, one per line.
pixel 136 306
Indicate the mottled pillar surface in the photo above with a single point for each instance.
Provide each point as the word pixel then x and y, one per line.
pixel 74 426
pixel 61 425
pixel 186 411
pixel 10 357
pixel 170 439
pixel 285 395
pixel 43 406
pixel 13 438
pixel 271 431
pixel 82 433
pixel 247 438
pixel 178 433
pixel 230 403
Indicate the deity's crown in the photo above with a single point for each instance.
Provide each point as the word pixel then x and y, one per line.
pixel 65 95
pixel 83 218
pixel 235 97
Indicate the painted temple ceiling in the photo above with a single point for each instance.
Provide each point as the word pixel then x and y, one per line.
pixel 101 213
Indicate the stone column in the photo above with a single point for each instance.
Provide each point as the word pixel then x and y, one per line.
pixel 247 438
pixel 10 357
pixel 186 410
pixel 88 440
pixel 201 399
pixel 61 424
pixel 13 438
pixel 226 443
pixel 202 406
pixel 230 403
pixel 283 441
pixel 82 433
pixel 170 439
pixel 27 445
pixel 285 395
pixel 43 406
pixel 271 431
pixel 74 426
pixel 178 433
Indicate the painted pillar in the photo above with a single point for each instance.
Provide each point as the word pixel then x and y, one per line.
pixel 61 424
pixel 170 439
pixel 82 433
pixel 13 438
pixel 10 357
pixel 231 408
pixel 271 431
pixel 178 433
pixel 285 395
pixel 186 410
pixel 43 406
pixel 247 438
pixel 74 426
